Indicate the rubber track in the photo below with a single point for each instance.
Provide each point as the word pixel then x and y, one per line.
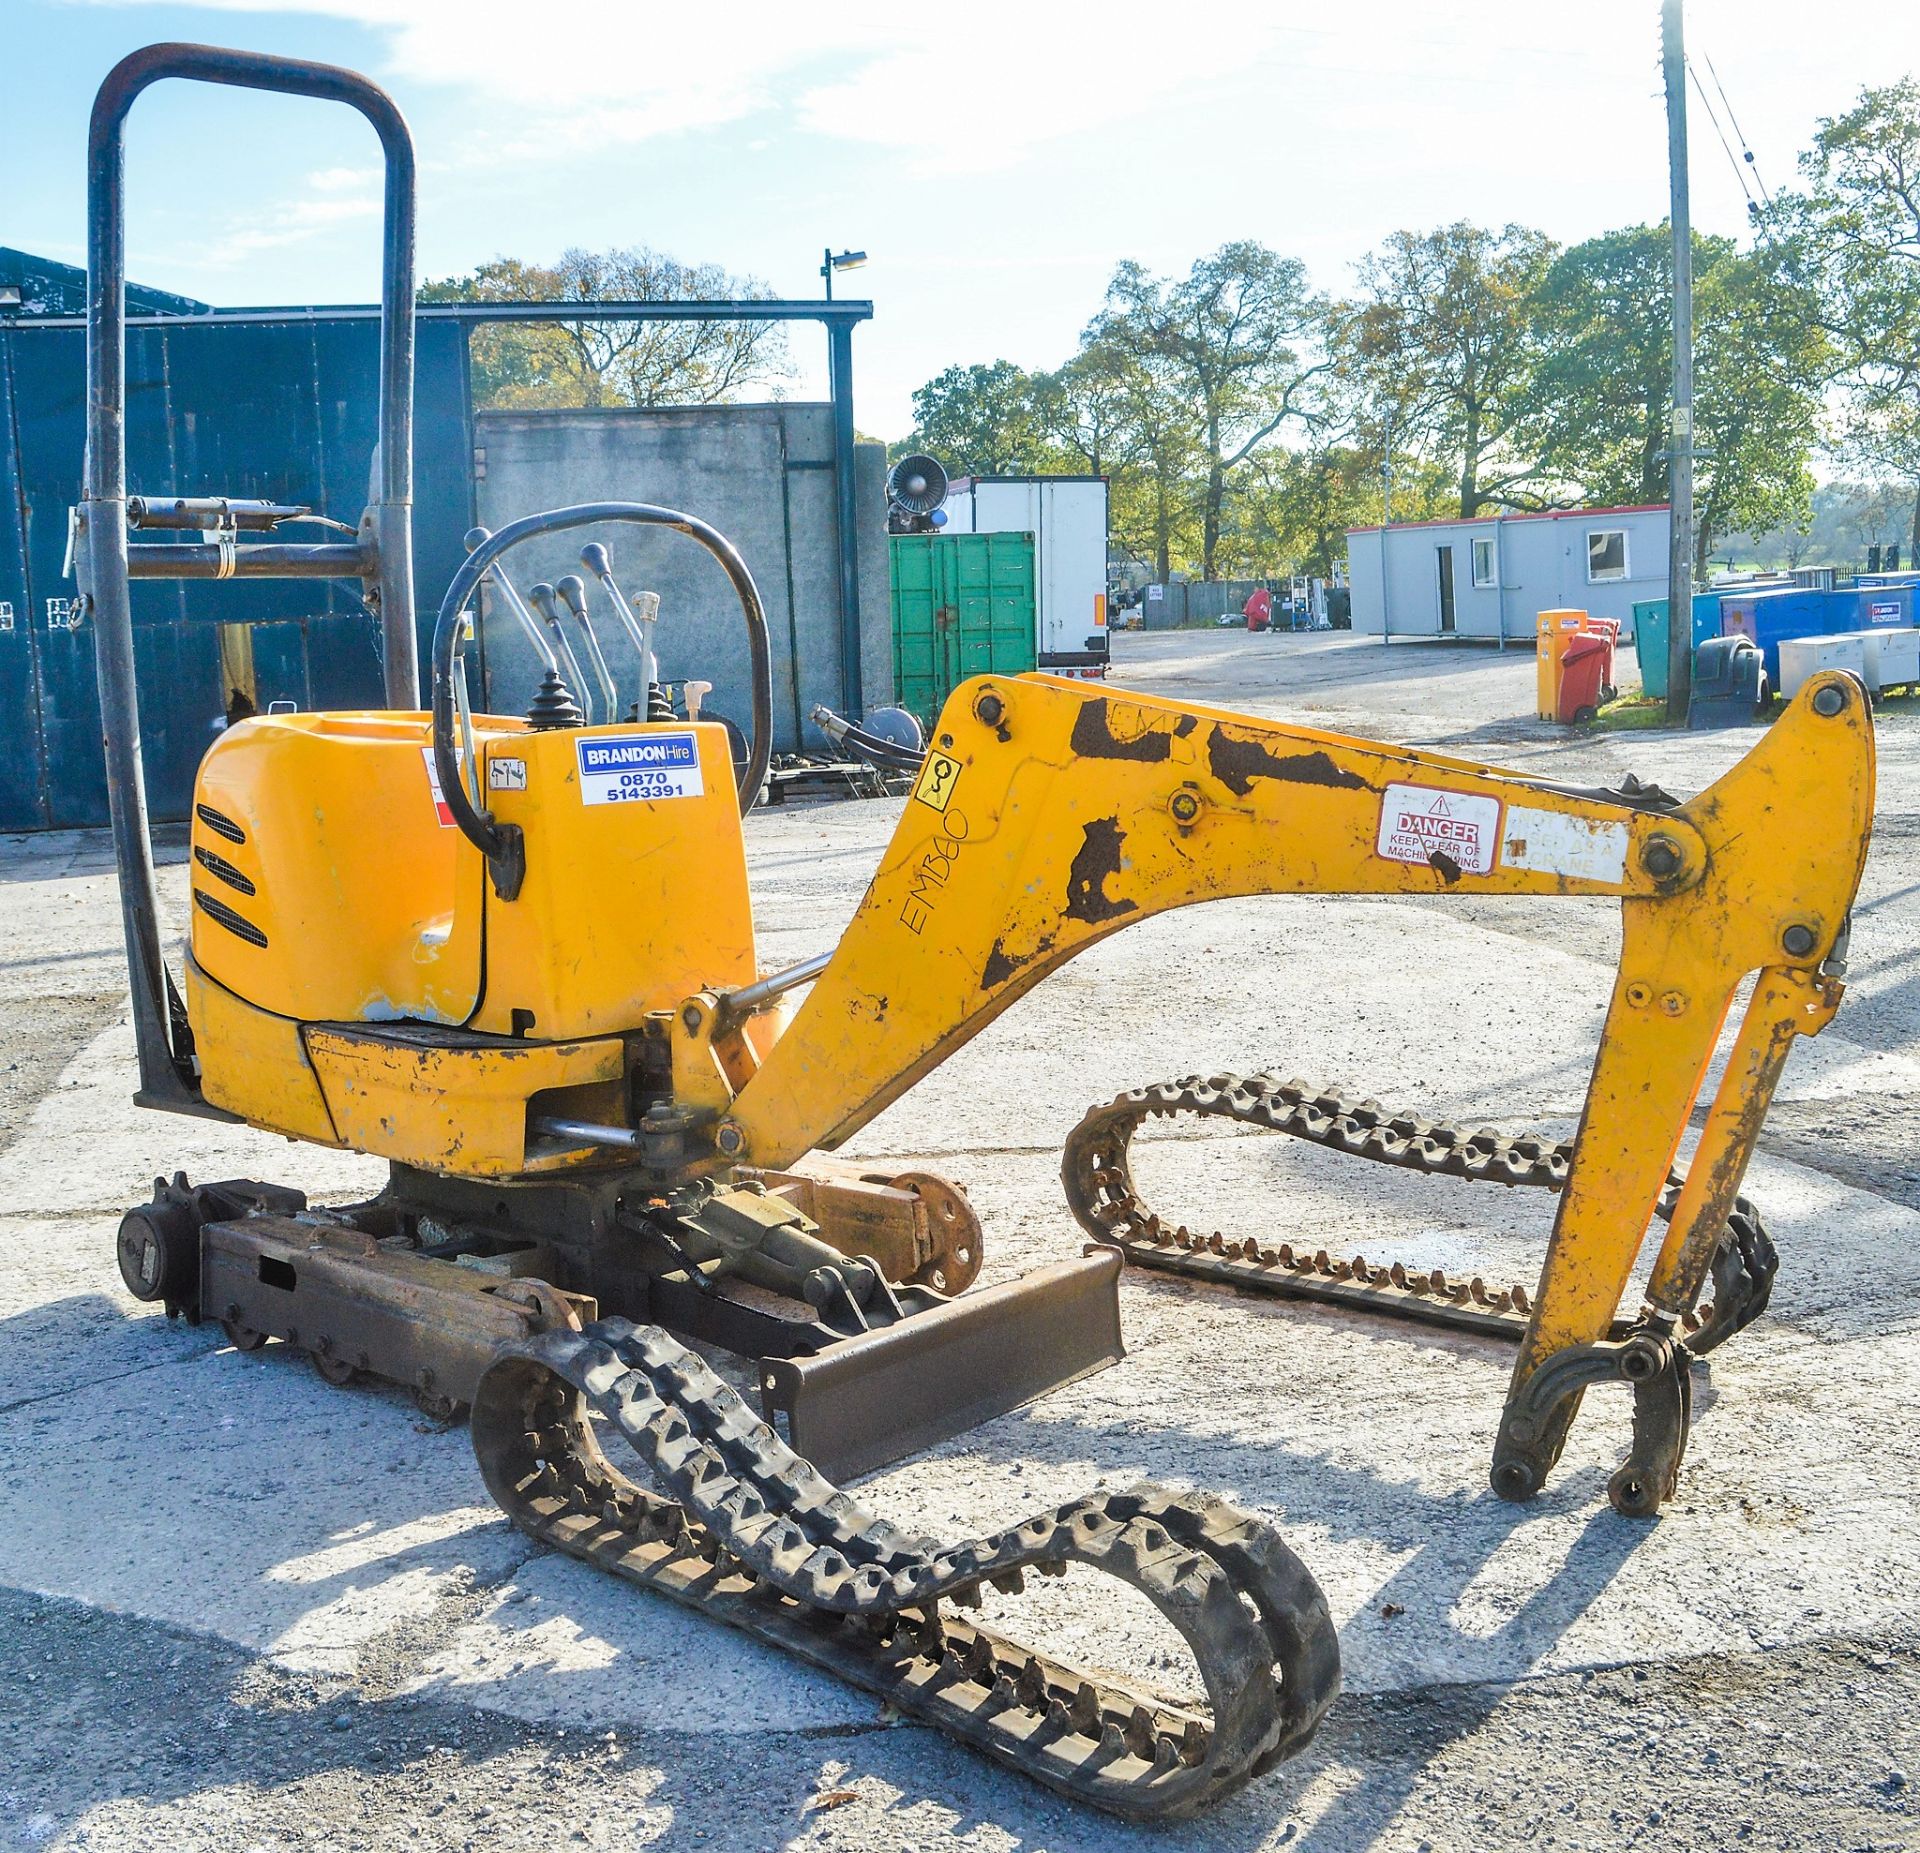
pixel 751 1534
pixel 1096 1173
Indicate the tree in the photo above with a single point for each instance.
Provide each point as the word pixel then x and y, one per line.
pixel 1597 409
pixel 614 363
pixel 1850 241
pixel 1599 406
pixel 1291 509
pixel 979 421
pixel 1441 331
pixel 1760 361
pixel 1156 493
pixel 1082 408
pixel 1232 340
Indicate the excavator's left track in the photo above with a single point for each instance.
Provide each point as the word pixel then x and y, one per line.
pixel 746 1531
pixel 1096 1171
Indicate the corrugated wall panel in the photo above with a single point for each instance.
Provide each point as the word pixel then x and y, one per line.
pixel 22 795
pixel 284 411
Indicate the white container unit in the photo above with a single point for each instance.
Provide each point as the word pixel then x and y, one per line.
pixel 1067 517
pixel 1802 657
pixel 1893 659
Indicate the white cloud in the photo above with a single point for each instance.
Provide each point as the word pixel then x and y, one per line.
pixel 290 222
pixel 343 179
pixel 984 83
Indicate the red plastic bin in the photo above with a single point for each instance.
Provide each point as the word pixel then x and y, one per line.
pixel 1584 666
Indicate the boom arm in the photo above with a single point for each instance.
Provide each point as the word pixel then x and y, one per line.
pixel 1050 815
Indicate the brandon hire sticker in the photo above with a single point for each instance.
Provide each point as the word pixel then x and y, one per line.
pixel 1418 823
pixel 649 765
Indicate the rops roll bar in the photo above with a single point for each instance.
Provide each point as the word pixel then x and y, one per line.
pixel 381 558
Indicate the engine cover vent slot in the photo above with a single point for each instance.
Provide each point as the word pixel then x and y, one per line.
pixel 219 823
pixel 223 915
pixel 223 870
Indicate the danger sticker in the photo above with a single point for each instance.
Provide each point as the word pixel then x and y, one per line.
pixel 1420 824
pixel 649 765
pixel 440 807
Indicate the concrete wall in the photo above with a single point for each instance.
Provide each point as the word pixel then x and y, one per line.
pixel 762 475
pixel 1541 565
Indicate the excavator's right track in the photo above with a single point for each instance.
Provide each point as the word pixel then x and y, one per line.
pixel 751 1534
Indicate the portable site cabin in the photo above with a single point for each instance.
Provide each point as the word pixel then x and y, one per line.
pixel 1490 577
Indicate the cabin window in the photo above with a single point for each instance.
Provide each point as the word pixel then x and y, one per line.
pixel 1606 554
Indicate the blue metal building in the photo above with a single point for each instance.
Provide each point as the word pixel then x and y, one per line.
pixel 273 404
pixel 280 404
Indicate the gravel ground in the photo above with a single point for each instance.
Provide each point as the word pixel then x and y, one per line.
pixel 1744 1674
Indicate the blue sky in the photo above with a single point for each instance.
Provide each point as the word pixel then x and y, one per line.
pixel 996 159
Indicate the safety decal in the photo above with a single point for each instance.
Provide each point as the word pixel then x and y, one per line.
pixel 648 765
pixel 433 784
pixel 506 775
pixel 1449 830
pixel 1552 843
pixel 937 781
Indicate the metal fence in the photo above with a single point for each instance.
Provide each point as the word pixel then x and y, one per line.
pixel 1201 601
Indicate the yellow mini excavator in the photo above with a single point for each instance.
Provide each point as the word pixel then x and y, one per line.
pixel 514 957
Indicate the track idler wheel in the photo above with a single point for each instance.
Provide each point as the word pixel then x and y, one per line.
pixel 159 1247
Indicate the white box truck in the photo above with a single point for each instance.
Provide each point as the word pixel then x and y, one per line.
pixel 1067 517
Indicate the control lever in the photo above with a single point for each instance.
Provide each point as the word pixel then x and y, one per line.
pixel 638 619
pixel 540 597
pixel 573 594
pixel 695 693
pixel 528 623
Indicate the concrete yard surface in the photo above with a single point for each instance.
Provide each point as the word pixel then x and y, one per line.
pixel 240 1609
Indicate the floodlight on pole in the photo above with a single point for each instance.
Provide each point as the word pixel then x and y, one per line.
pixel 832 260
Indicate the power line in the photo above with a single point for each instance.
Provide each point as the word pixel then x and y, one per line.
pixel 1739 172
pixel 1745 149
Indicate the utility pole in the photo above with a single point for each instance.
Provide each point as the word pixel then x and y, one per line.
pixel 1386 521
pixel 1680 454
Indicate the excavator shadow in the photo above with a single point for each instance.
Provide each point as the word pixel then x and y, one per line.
pixel 1441 1589
pixel 372 1543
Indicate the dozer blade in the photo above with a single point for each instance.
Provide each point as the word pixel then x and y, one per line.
pixel 892 1392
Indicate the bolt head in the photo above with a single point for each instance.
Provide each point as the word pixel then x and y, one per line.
pixel 1674 1003
pixel 1798 940
pixel 990 708
pixel 1185 806
pixel 730 1139
pixel 1661 857
pixel 1830 699
pixel 1639 996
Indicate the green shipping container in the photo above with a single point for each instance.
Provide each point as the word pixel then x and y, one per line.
pixel 963 605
